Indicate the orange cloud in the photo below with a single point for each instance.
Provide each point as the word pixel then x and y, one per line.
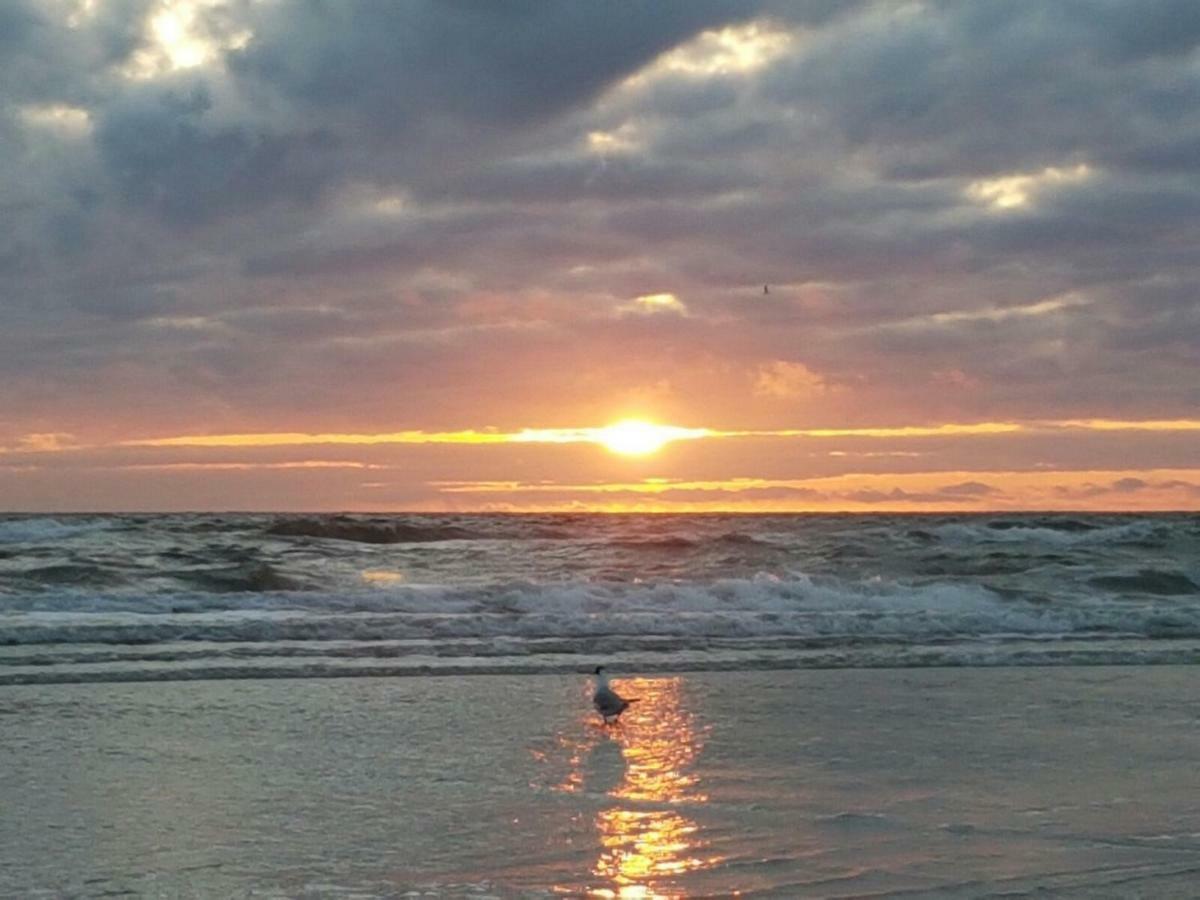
pixel 1160 489
pixel 1120 425
pixel 602 434
pixel 788 380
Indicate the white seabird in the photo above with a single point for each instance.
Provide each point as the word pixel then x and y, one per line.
pixel 608 702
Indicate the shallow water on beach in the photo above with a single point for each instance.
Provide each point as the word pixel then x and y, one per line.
pixel 144 597
pixel 850 783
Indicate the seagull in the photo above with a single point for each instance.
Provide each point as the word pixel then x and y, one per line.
pixel 608 702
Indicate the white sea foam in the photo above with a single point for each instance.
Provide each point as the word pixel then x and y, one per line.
pixel 982 532
pixel 820 609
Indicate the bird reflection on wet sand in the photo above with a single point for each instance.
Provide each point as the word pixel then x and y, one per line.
pixel 646 836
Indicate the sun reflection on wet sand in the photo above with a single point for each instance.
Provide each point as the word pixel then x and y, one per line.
pixel 643 846
pixel 647 839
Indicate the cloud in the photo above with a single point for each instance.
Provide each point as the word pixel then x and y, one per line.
pixel 655 304
pixel 959 207
pixel 788 380
pixel 170 148
pixel 969 489
pixel 967 492
pixel 404 69
pixel 1124 487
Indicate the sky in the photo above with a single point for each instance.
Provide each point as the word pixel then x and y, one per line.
pixel 415 255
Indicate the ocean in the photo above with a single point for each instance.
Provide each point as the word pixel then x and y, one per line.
pixel 102 598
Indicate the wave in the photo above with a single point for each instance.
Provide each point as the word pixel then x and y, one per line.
pixel 758 622
pixel 742 539
pixel 1045 531
pixel 816 608
pixel 1052 523
pixel 44 530
pixel 249 578
pixel 682 542
pixel 670 542
pixel 69 573
pixel 1149 581
pixel 362 532
pixel 160 596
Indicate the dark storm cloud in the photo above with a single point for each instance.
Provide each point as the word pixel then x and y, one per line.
pixel 973 88
pixel 578 179
pixel 43 59
pixel 164 152
pixel 17 22
pixel 399 66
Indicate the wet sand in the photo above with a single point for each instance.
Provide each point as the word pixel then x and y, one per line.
pixel 922 782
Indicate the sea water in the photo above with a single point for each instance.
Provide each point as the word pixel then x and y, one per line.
pixel 93 598
pixel 1073 782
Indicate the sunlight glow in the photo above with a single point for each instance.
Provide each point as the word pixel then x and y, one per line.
pixel 1009 192
pixel 81 12
pixel 788 380
pixel 649 838
pixel 1120 425
pixel 736 50
pixel 647 834
pixel 62 117
pixel 47 442
pixel 631 436
pixel 980 490
pixel 636 438
pixel 900 431
pixel 620 140
pixel 1048 306
pixel 296 439
pixel 652 304
pixel 244 466
pixel 176 38
pixel 383 577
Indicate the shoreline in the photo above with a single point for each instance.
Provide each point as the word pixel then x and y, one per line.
pixel 1057 654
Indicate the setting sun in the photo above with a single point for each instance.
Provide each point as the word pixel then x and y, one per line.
pixel 632 437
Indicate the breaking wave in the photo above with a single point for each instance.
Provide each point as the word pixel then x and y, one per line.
pixel 349 529
pixel 1149 581
pixel 40 529
pixel 542 625
pixel 1060 531
pixel 87 598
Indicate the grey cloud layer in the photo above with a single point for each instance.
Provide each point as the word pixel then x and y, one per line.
pixel 449 202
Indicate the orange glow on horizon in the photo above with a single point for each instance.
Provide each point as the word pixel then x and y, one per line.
pixel 300 438
pixel 1121 425
pixel 948 466
pixel 884 492
pixel 629 436
pixel 632 437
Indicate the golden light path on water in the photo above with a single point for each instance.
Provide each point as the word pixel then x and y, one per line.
pixel 646 837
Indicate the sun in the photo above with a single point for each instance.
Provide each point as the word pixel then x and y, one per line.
pixel 633 437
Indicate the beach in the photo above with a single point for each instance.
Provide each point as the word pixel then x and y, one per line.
pixel 377 376
pixel 938 782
